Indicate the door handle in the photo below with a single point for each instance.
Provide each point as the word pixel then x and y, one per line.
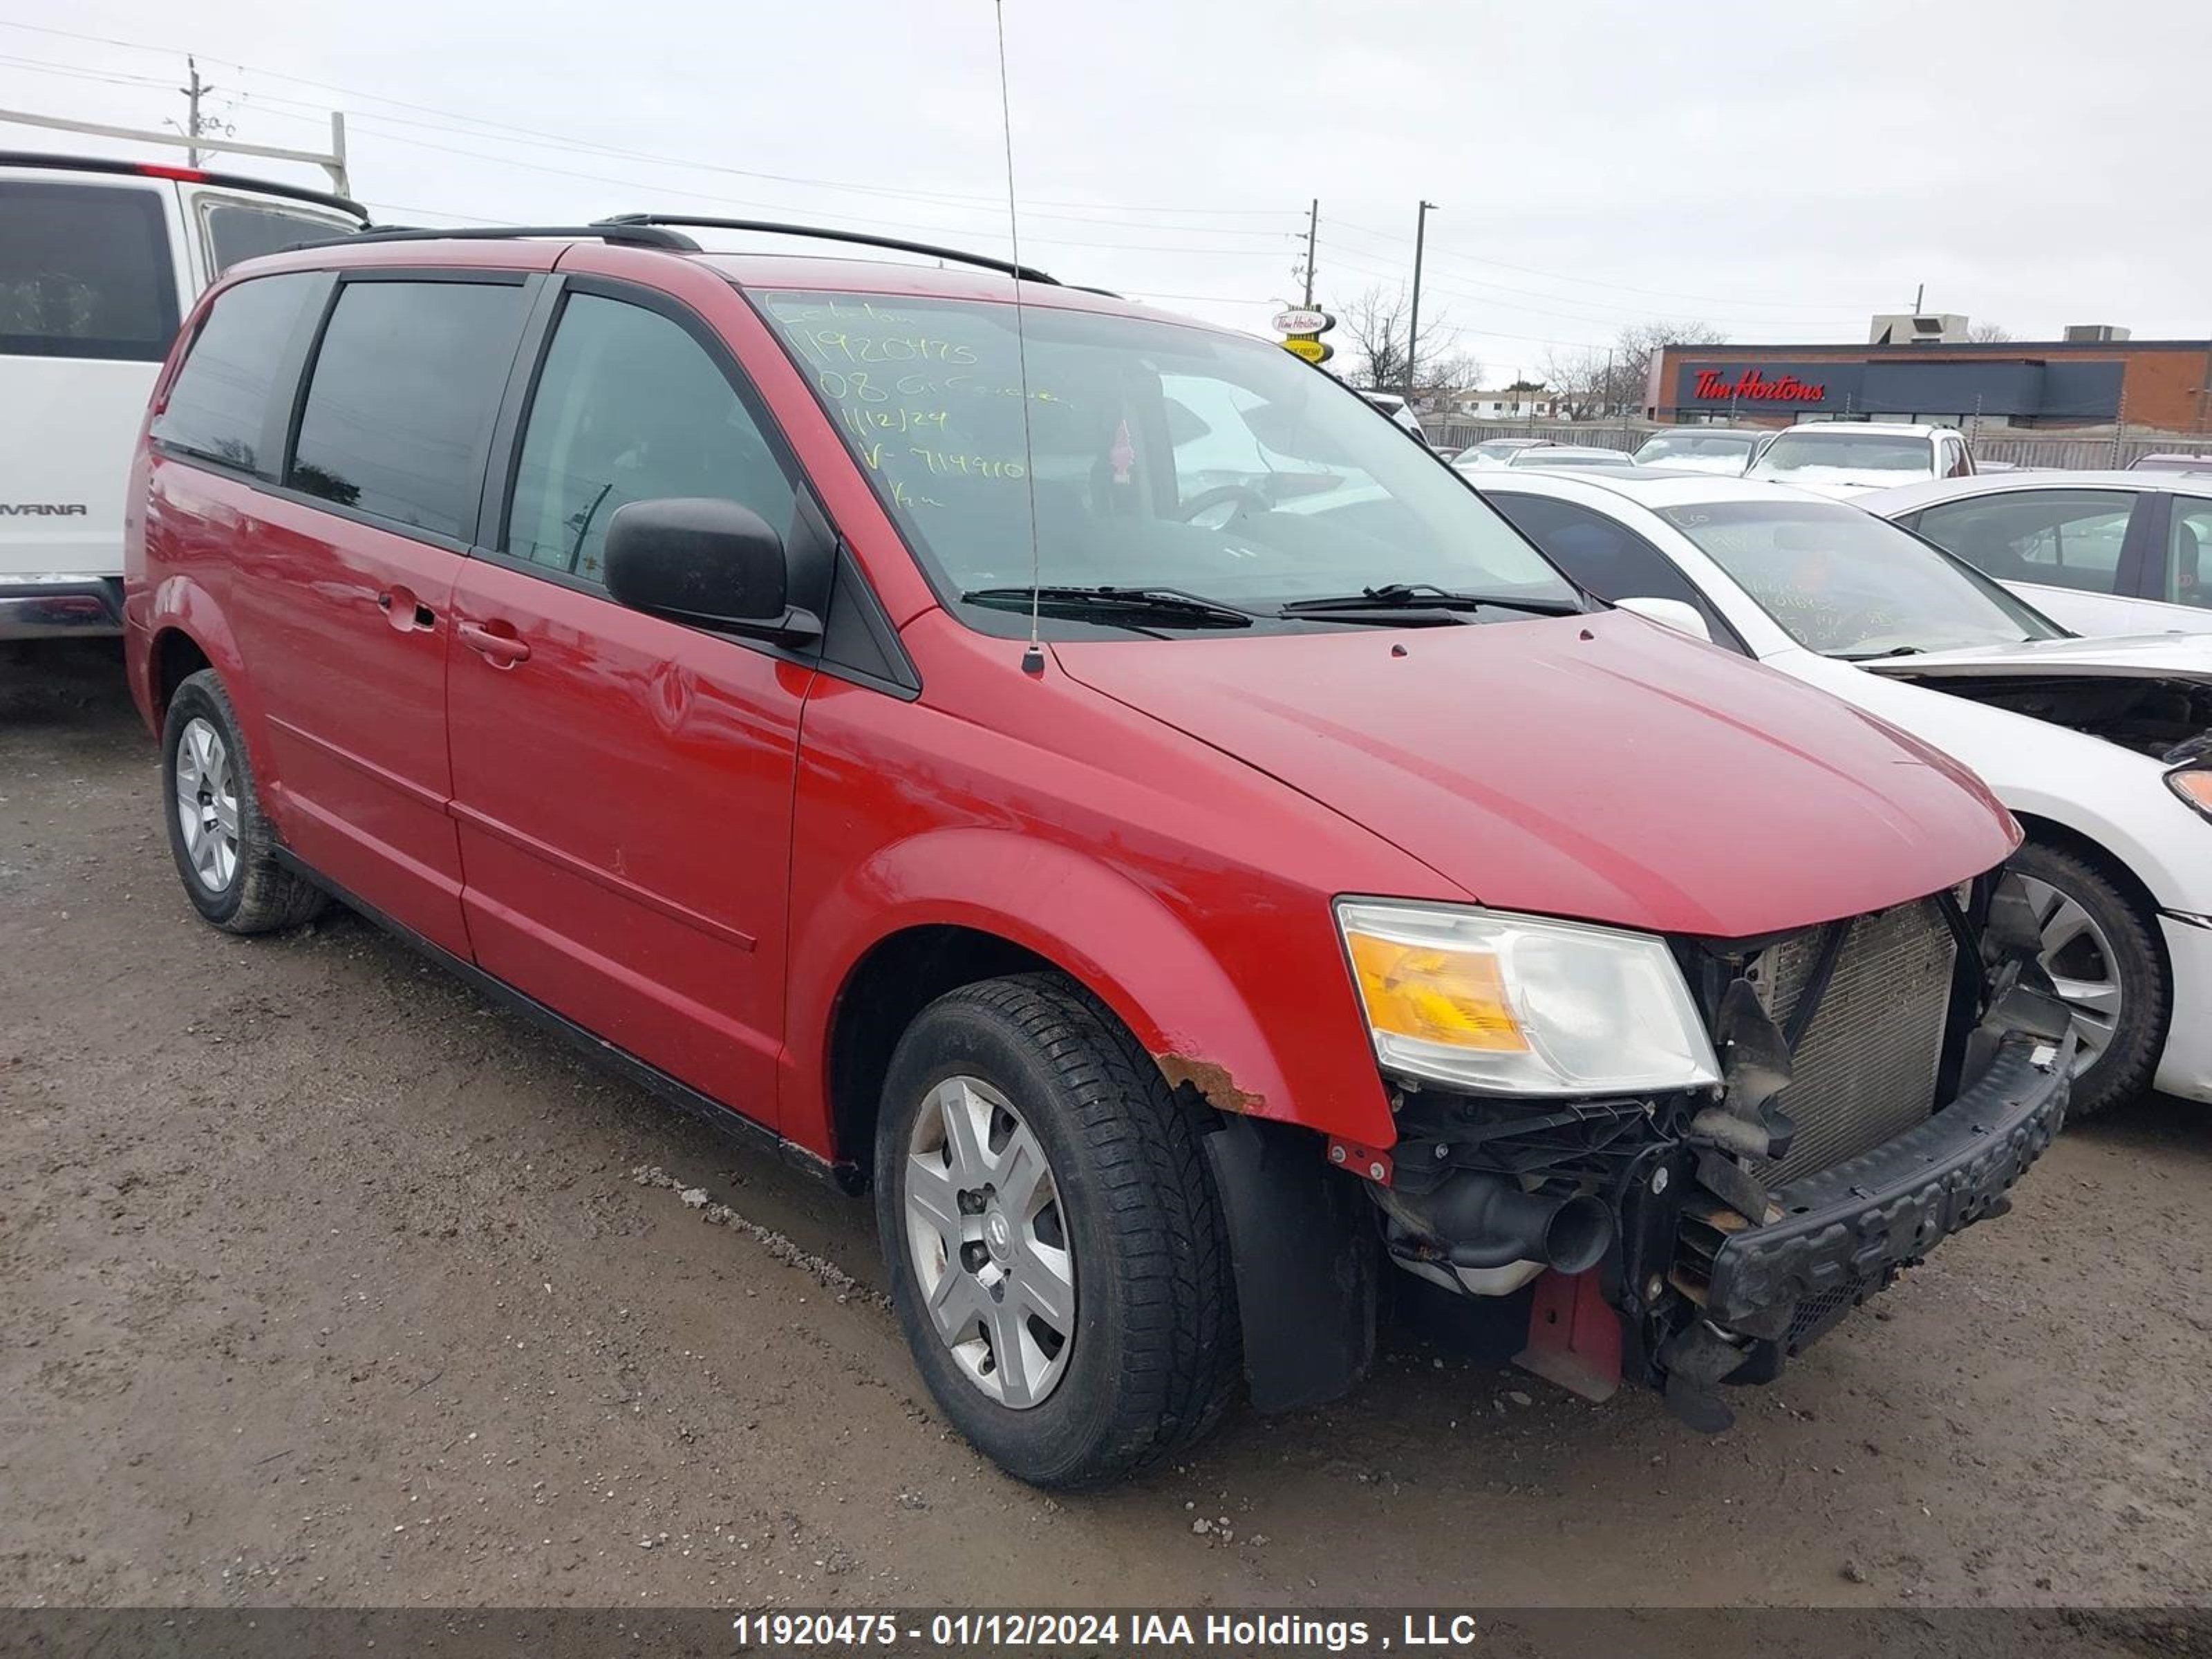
pixel 500 650
pixel 403 610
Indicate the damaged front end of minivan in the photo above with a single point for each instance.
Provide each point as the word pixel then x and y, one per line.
pixel 1883 1080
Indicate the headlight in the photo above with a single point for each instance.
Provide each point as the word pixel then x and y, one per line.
pixel 1521 1005
pixel 2194 785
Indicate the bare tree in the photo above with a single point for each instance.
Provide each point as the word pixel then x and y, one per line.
pixel 1612 379
pixel 1988 333
pixel 1374 326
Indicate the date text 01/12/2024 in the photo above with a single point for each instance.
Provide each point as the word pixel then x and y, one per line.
pixel 1196 1629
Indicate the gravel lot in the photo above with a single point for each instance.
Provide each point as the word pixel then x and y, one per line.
pixel 326 1282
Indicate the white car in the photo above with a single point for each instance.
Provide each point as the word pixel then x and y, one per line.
pixel 2102 552
pixel 1724 450
pixel 1570 455
pixel 2101 748
pixel 1400 412
pixel 1845 459
pixel 98 260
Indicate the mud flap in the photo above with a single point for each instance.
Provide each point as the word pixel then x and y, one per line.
pixel 1301 1240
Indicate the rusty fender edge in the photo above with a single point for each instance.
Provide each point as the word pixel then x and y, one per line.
pixel 1212 1080
pixel 1303 1245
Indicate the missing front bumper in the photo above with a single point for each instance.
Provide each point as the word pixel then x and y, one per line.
pixel 1836 1237
pixel 1856 1223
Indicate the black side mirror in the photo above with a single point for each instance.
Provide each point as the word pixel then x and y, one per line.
pixel 706 562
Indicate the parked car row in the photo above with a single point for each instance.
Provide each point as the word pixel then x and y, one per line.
pixel 1077 776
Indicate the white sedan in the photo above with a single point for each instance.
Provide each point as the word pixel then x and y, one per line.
pixel 2102 552
pixel 2101 748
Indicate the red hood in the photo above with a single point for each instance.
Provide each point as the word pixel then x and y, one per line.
pixel 1599 766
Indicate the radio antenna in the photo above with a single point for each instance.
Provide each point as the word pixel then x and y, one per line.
pixel 1032 659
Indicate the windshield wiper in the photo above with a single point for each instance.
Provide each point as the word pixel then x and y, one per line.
pixel 1427 596
pixel 1876 656
pixel 1168 606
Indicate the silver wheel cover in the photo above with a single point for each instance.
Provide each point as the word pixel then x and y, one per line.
pixel 207 805
pixel 989 1245
pixel 2079 958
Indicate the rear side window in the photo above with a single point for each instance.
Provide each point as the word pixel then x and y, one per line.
pixel 2060 537
pixel 85 271
pixel 400 401
pixel 220 406
pixel 241 230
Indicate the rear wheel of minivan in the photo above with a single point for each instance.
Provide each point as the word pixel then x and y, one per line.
pixel 2102 952
pixel 224 846
pixel 1058 1257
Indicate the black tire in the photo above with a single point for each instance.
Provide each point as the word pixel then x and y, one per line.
pixel 1154 1356
pixel 260 895
pixel 2124 1071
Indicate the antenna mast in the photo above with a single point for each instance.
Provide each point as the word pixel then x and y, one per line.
pixel 1032 659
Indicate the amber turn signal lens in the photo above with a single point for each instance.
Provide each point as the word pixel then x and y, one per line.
pixel 2194 785
pixel 1454 997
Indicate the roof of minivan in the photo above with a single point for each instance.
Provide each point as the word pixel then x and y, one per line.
pixel 33 158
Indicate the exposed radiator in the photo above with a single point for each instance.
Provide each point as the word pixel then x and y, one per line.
pixel 1866 1069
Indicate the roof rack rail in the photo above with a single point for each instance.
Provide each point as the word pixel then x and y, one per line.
pixel 769 226
pixel 628 234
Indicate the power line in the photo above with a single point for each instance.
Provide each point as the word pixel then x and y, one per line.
pixel 477 123
pixel 1593 282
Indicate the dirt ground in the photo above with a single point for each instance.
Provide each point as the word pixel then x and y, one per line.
pixel 323 1282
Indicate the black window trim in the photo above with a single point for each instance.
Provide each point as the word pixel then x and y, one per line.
pixel 285 491
pixel 823 571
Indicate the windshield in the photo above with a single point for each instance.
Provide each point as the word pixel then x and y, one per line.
pixel 1847 584
pixel 1810 454
pixel 1161 456
pixel 1697 447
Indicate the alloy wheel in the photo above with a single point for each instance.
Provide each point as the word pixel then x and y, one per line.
pixel 2080 959
pixel 989 1243
pixel 207 805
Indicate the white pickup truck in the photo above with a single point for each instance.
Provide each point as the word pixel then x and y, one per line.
pixel 99 261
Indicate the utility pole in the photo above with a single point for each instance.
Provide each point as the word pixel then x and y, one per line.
pixel 192 92
pixel 1919 295
pixel 1313 225
pixel 1413 323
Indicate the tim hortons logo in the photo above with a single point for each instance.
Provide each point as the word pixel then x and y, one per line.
pixel 42 510
pixel 1752 387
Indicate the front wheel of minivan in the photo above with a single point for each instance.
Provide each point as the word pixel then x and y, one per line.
pixel 224 846
pixel 1058 1257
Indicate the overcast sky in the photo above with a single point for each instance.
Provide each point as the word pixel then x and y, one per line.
pixel 1779 172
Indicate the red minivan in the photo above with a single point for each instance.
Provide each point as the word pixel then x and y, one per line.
pixel 1083 776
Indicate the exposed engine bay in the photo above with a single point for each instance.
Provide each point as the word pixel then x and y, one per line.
pixel 1886 1077
pixel 2169 718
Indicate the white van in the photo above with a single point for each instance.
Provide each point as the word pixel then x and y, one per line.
pixel 99 261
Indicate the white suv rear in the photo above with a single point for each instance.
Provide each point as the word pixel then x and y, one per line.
pixel 1844 459
pixel 99 260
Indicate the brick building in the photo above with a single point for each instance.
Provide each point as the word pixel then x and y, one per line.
pixel 2158 384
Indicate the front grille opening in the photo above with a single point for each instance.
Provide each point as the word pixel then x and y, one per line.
pixel 1867 1067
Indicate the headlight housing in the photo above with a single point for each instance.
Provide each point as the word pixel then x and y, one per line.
pixel 2194 785
pixel 1516 1005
